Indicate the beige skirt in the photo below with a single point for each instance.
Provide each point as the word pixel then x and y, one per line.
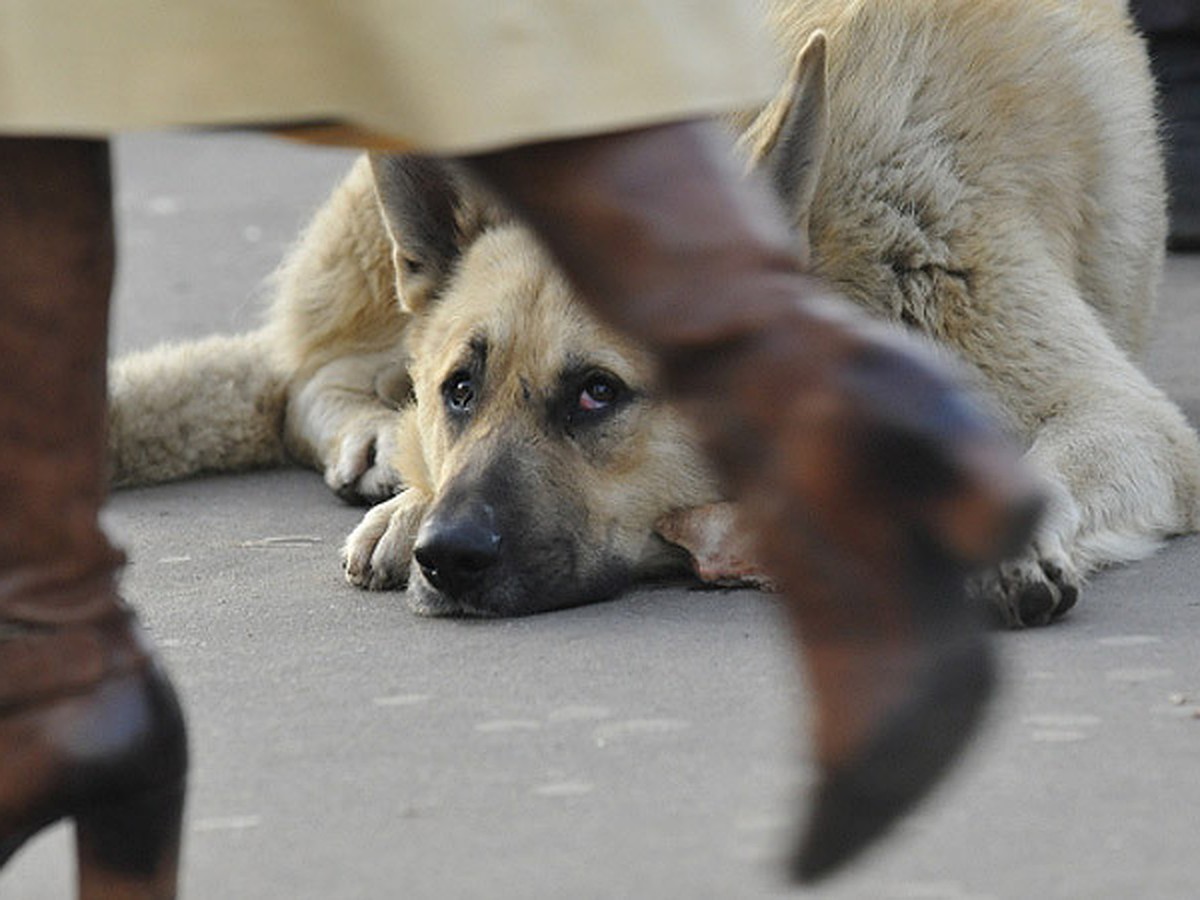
pixel 441 75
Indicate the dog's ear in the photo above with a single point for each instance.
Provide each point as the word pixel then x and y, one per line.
pixel 420 199
pixel 788 139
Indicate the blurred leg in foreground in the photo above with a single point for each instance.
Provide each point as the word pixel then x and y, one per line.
pixel 872 483
pixel 89 726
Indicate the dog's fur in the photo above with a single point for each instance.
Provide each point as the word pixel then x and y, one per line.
pixel 985 171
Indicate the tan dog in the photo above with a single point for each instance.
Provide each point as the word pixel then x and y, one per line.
pixel 985 171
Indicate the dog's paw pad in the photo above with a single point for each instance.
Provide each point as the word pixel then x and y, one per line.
pixel 1068 588
pixel 1029 591
pixel 1035 603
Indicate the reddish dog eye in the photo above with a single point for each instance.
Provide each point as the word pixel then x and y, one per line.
pixel 597 394
pixel 594 398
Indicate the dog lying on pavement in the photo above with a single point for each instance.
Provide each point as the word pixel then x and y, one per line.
pixel 986 172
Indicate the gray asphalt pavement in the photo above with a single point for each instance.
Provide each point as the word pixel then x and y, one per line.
pixel 650 747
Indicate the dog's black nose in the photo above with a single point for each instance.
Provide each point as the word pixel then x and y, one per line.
pixel 455 554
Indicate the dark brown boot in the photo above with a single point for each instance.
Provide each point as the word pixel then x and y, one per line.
pixel 869 479
pixel 89 726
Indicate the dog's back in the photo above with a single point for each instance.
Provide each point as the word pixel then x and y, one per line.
pixel 967 134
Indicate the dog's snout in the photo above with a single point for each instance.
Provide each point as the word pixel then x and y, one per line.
pixel 454 555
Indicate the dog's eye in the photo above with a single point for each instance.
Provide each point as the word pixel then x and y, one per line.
pixel 459 392
pixel 599 392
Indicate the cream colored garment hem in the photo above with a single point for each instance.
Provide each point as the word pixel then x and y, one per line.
pixel 443 75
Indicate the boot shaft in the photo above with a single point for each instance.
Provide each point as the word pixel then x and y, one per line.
pixel 57 263
pixel 56 274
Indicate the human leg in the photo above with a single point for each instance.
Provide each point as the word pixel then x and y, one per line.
pixel 872 484
pixel 89 726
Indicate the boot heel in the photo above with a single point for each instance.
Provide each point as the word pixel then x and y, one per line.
pixel 130 850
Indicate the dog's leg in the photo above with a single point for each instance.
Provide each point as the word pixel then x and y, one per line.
pixel 1121 462
pixel 1123 473
pixel 378 551
pixel 809 415
pixel 335 328
pixel 343 421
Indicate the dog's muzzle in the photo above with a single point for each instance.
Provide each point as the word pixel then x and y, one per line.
pixel 455 552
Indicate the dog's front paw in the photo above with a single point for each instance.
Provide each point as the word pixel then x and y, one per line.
pixel 359 470
pixel 378 551
pixel 1033 589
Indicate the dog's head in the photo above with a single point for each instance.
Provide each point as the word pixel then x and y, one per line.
pixel 546 454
